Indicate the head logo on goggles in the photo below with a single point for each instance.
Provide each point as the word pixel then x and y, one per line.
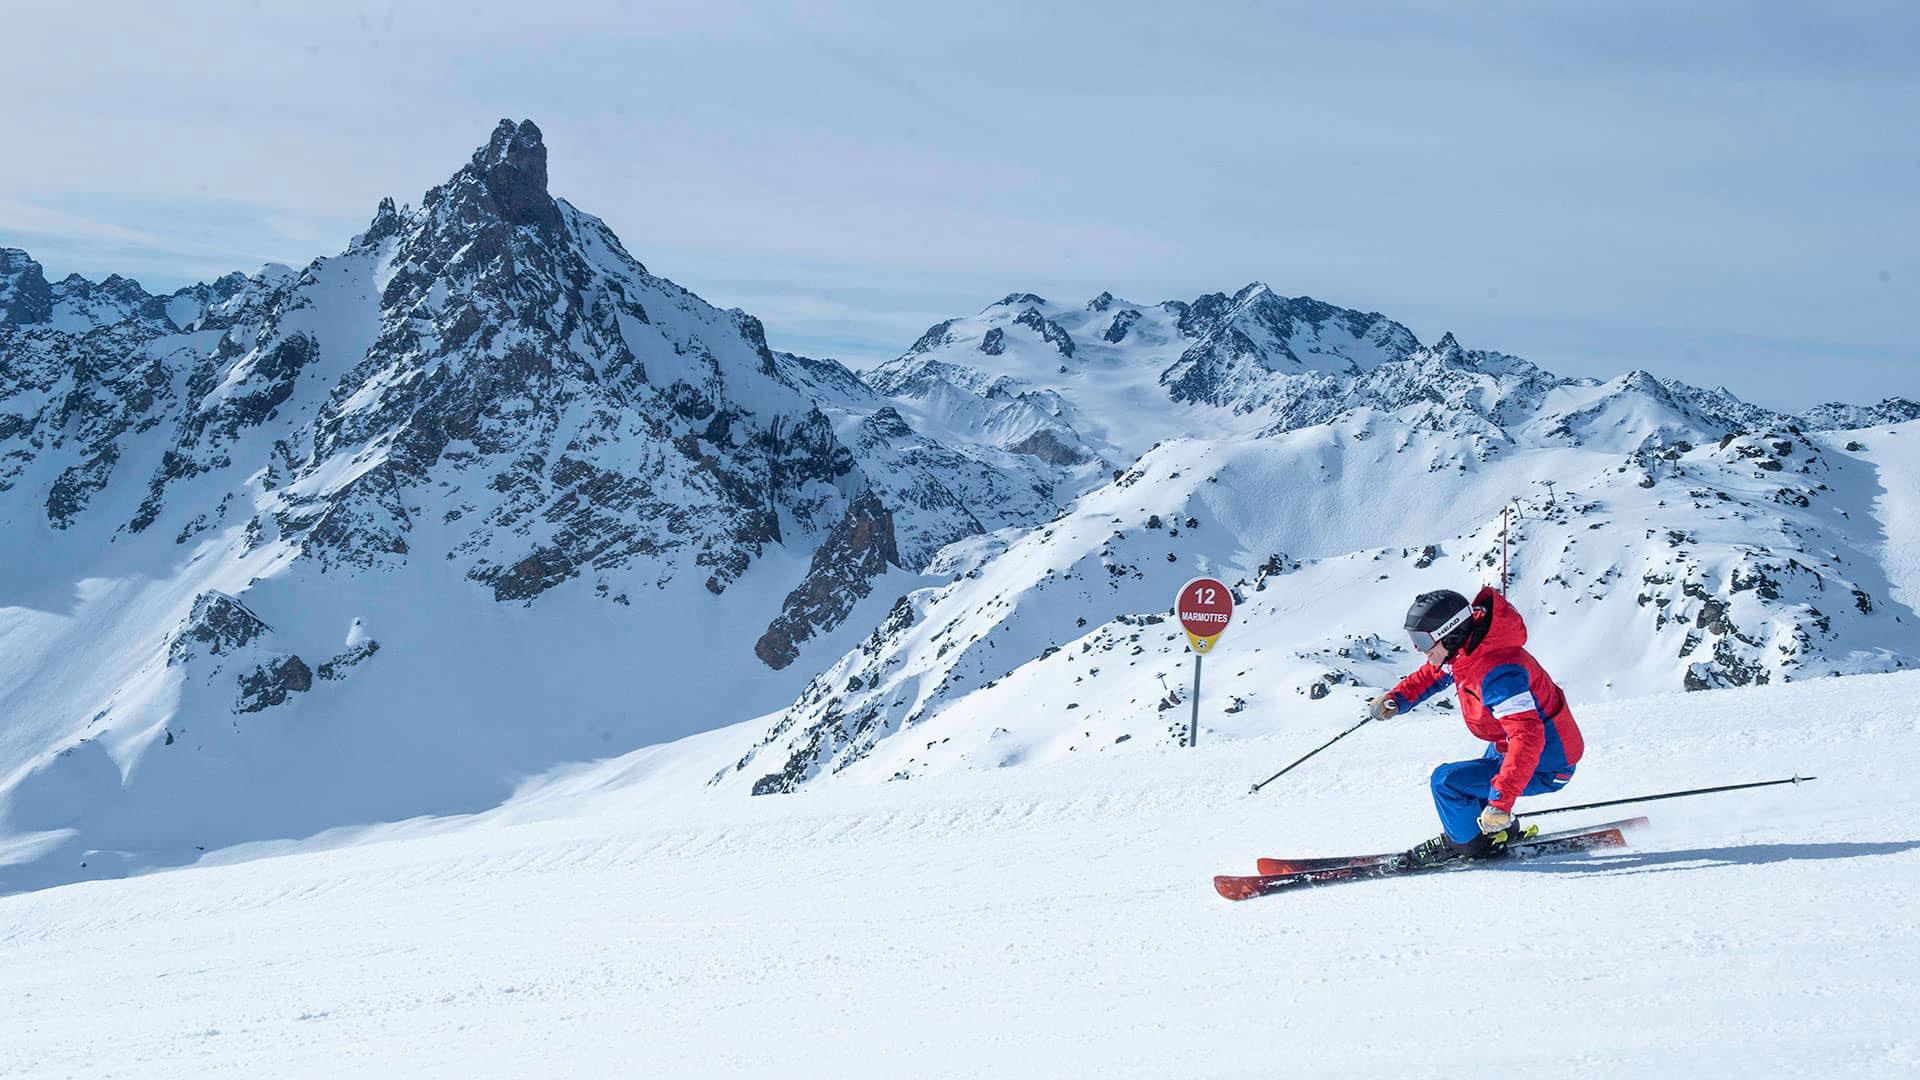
pixel 1425 640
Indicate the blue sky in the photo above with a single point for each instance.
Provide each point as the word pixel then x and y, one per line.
pixel 1723 193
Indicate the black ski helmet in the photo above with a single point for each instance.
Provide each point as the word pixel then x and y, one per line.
pixel 1442 616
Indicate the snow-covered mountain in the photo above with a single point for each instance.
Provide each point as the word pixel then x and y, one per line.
pixel 1752 560
pixel 380 536
pixel 1112 377
pixel 390 533
pixel 1692 540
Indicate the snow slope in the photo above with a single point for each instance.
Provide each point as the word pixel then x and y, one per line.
pixel 1894 453
pixel 1050 921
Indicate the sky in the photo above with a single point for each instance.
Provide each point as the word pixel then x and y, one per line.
pixel 1724 193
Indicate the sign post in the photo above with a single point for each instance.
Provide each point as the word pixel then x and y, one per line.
pixel 1204 607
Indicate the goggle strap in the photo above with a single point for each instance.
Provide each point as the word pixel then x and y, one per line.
pixel 1426 639
pixel 1459 619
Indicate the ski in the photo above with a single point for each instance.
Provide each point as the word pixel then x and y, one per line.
pixel 1280 867
pixel 1273 867
pixel 1355 868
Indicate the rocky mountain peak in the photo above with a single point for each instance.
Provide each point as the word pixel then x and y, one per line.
pixel 24 295
pixel 1250 290
pixel 14 262
pixel 122 288
pixel 1200 316
pixel 1017 298
pixel 507 178
pixel 386 222
pixel 1836 415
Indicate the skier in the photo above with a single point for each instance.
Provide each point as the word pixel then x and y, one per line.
pixel 1506 698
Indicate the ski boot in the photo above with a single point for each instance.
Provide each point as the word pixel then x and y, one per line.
pixel 1442 849
pixel 1433 852
pixel 1494 845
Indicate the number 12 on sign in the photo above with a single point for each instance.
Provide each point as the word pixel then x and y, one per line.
pixel 1204 608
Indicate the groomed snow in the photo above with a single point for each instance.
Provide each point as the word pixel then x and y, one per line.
pixel 1051 920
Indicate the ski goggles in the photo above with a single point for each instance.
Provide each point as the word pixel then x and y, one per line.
pixel 1425 640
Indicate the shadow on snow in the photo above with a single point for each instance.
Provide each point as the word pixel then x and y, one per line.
pixel 1660 862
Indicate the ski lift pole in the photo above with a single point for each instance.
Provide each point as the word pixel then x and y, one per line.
pixel 1672 795
pixel 1315 750
pixel 1503 549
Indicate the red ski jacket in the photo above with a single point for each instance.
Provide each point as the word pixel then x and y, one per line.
pixel 1506 698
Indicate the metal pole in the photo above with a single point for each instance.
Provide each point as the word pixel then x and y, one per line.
pixel 1503 550
pixel 1322 746
pixel 1672 795
pixel 1193 729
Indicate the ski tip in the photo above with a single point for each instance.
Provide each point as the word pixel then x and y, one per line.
pixel 1235 888
pixel 1270 867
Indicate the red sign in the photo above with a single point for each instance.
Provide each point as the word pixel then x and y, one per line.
pixel 1204 608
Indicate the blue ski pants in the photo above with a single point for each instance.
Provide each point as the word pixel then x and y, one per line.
pixel 1461 789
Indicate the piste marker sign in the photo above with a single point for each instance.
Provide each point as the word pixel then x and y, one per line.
pixel 1204 608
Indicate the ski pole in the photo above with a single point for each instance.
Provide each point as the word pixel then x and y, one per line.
pixel 1316 750
pixel 1672 795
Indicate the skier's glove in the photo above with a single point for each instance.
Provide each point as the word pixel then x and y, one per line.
pixel 1493 819
pixel 1383 707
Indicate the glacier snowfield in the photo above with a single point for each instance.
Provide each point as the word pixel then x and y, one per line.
pixel 1051 920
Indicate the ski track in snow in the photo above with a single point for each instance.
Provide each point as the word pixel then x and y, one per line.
pixel 1052 920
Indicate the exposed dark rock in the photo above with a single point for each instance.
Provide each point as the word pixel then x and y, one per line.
pixel 1277 563
pixel 337 667
pixel 271 683
pixel 1713 616
pixel 386 222
pixel 539 571
pixel 1046 446
pixel 1199 317
pixel 1836 416
pixel 1048 330
pixel 217 624
pixel 1028 298
pixel 936 336
pixel 25 297
pixel 1755 579
pixel 887 424
pixel 859 550
pixel 1727 668
pixel 512 168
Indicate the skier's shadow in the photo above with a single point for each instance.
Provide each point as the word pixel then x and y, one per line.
pixel 1662 862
